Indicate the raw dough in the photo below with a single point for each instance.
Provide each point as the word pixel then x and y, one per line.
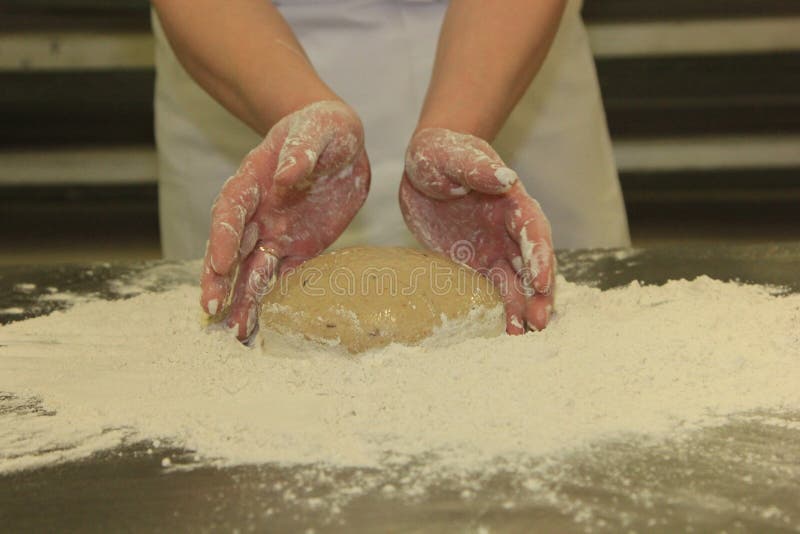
pixel 367 297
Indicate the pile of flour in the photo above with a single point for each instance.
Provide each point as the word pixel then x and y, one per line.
pixel 652 361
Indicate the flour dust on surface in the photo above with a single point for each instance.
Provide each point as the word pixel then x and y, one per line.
pixel 622 384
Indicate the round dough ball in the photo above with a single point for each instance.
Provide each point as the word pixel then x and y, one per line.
pixel 367 297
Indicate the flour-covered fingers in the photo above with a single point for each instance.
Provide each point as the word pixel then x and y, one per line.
pixel 250 237
pixel 298 158
pixel 513 254
pixel 325 136
pixel 528 226
pixel 255 279
pixel 234 207
pixel 503 276
pixel 538 310
pixel 424 167
pixel 475 163
pixel 214 288
pixel 446 164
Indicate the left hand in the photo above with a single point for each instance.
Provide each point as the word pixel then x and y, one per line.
pixel 458 197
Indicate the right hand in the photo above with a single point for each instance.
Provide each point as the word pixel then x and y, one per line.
pixel 292 196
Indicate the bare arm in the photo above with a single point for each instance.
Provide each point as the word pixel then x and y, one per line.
pixel 245 55
pixel 488 53
pixel 295 192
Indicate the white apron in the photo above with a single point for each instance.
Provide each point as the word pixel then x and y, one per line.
pixel 377 55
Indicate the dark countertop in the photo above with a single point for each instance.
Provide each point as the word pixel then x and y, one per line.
pixel 697 485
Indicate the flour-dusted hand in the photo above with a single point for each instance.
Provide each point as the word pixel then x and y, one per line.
pixel 292 196
pixel 458 198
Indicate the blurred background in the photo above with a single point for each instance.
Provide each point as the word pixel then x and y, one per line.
pixel 702 98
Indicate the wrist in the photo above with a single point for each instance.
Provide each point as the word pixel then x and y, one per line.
pixel 458 126
pixel 274 103
pixel 461 117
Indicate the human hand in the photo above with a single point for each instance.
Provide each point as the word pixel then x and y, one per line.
pixel 458 197
pixel 292 196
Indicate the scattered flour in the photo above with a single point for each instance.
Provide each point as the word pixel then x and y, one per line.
pixel 25 287
pixel 655 361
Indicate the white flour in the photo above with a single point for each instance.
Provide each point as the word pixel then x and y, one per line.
pixel 648 361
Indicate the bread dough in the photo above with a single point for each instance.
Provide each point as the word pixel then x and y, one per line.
pixel 366 297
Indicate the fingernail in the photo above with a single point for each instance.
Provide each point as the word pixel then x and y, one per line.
pixel 505 176
pixel 212 306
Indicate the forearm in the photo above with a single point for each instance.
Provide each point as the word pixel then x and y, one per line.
pixel 488 53
pixel 245 55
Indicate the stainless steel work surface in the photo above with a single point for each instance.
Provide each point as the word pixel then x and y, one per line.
pixel 740 477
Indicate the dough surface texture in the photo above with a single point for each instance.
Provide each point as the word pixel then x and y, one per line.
pixel 362 298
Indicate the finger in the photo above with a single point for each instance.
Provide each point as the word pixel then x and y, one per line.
pixel 425 171
pixel 249 239
pixel 478 166
pixel 446 164
pixel 513 254
pixel 528 226
pixel 421 216
pixel 297 160
pixel 503 277
pixel 538 310
pixel 214 288
pixel 323 136
pixel 234 207
pixel 255 279
pixel 538 307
